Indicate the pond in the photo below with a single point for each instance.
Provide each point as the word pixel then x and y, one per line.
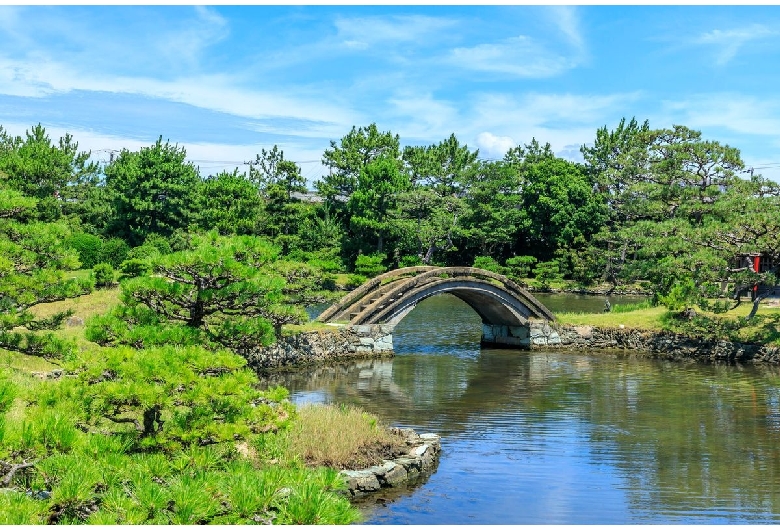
pixel 552 437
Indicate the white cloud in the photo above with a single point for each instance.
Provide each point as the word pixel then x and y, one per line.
pixel 188 43
pixel 519 56
pixel 729 42
pixel 422 116
pixel 730 111
pixel 214 92
pixel 552 110
pixel 492 146
pixel 565 17
pixel 363 32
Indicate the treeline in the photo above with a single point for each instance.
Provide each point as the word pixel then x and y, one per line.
pixel 158 420
pixel 660 205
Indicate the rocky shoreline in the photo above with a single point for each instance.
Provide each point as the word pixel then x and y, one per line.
pixel 421 458
pixel 339 343
pixel 655 344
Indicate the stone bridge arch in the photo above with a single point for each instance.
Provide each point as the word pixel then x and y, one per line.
pixel 506 309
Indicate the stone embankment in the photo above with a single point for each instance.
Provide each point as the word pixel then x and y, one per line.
pixel 658 344
pixel 329 345
pixel 421 458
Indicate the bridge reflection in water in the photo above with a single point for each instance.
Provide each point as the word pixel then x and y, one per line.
pixel 507 310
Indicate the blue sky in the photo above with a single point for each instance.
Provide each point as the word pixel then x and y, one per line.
pixel 226 81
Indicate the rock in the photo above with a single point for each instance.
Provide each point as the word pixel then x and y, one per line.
pixel 361 481
pixel 420 450
pixel 75 321
pixel 396 476
pixel 410 464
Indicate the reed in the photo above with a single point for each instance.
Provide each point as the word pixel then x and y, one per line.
pixel 342 437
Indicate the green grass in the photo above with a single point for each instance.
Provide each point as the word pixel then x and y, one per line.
pixel 98 302
pixel 294 329
pixel 763 328
pixel 648 319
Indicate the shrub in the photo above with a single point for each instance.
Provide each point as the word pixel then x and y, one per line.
pixel 410 261
pixel 114 251
pixel 159 242
pixel 489 264
pixel 370 265
pixel 135 267
pixel 355 280
pixel 88 246
pixel 144 252
pixel 104 275
pixel 546 272
pixel 520 266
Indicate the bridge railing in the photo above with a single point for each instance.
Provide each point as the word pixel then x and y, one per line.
pixel 355 301
pixel 358 294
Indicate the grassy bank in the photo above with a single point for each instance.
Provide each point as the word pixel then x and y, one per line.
pixel 166 435
pixel 763 328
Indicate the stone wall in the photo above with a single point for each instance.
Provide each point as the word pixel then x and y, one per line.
pixel 658 344
pixel 312 347
pixel 421 459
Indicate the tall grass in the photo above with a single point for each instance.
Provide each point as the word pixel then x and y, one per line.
pixel 341 437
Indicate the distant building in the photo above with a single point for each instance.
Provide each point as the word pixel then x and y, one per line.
pixel 309 196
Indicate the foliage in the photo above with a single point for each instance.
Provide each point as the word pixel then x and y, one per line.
pixel 520 266
pixel 88 246
pixel 104 275
pixel 355 280
pixel 493 220
pixel 134 267
pixel 33 259
pixel 489 264
pixel 547 272
pixel 155 436
pixel 370 266
pixel 152 191
pixel 347 158
pixel 58 175
pixel 228 203
pixel 113 251
pixel 374 197
pixel 218 287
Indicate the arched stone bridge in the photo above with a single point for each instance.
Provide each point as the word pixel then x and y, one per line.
pixel 507 310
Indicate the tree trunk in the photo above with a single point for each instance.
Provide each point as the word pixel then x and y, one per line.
pixel 152 421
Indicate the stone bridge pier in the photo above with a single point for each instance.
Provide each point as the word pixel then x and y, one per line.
pixel 511 316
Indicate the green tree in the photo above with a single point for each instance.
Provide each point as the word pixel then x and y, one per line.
pixel 349 156
pixel 58 175
pixel 33 259
pixel 446 167
pixel 378 186
pixel 229 203
pixel 560 209
pixel 216 287
pixel 278 181
pixel 430 214
pixel 152 191
pixel 429 223
pixel 494 215
pixel 230 291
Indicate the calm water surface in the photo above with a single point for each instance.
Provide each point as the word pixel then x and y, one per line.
pixel 546 437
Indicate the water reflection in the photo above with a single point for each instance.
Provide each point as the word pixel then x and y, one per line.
pixel 565 438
